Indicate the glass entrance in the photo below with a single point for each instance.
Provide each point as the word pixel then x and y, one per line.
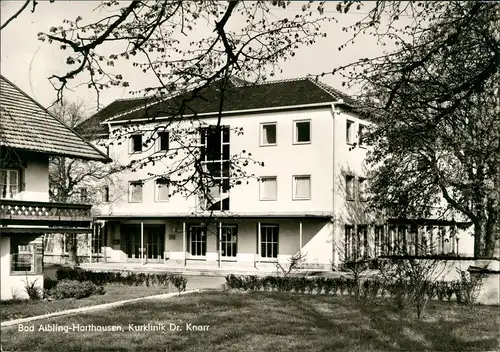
pixel 154 242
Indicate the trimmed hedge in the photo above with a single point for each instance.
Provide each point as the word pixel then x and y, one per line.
pixel 75 289
pixel 128 278
pixel 441 290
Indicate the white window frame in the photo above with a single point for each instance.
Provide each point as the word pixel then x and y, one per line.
pixel 131 143
pixel 157 193
pixel 203 229
pixel 262 125
pixel 296 135
pixel 221 195
pixel 227 244
pixel 265 226
pixel 349 131
pixel 130 185
pixel 8 184
pixel 261 197
pixel 294 182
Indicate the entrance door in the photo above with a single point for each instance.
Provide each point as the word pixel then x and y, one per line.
pixel 154 239
pixel 133 240
pixel 154 243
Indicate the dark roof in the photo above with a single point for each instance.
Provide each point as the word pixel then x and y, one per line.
pixel 26 125
pixel 239 96
pixel 92 126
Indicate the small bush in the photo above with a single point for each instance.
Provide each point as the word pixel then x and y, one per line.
pixel 75 289
pixel 179 282
pixel 467 288
pixel 34 292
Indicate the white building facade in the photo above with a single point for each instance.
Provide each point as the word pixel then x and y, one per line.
pixel 307 198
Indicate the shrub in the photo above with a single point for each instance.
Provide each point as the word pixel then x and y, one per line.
pixel 75 289
pixel 468 288
pixel 310 285
pixel 34 292
pixel 179 282
pixel 320 285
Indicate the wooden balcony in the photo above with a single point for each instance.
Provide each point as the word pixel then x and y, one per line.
pixel 22 212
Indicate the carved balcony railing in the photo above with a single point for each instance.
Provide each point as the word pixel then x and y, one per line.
pixel 29 212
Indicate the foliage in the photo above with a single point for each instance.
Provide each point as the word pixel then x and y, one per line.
pixel 434 103
pixel 415 290
pixel 75 289
pixel 294 263
pixel 179 282
pixel 130 278
pixel 467 288
pixel 409 281
pixel 34 292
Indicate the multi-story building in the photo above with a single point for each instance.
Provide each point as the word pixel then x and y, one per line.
pixel 29 135
pixel 307 198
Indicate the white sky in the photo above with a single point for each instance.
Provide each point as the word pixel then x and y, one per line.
pixel 28 62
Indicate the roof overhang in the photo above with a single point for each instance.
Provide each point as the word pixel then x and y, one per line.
pixel 22 230
pixel 227 113
pixel 104 159
pixel 216 217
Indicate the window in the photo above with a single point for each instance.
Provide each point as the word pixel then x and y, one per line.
pixel 136 143
pixel 135 191
pixel 361 131
pixel 348 242
pixel 302 132
pixel 69 240
pixel 348 131
pixel 84 194
pixel 356 242
pixel 215 157
pixel 362 242
pixel 380 241
pixel 163 141
pixel 22 254
pixel 105 194
pixel 268 188
pixel 362 188
pixel 229 235
pixel 162 193
pixel 269 241
pixel 349 187
pixel 9 183
pixel 268 134
pixel 301 187
pixel 97 240
pixel 197 240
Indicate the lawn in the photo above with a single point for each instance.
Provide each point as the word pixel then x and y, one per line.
pixel 114 292
pixel 267 321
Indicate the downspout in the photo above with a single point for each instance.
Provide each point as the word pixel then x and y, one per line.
pixel 334 187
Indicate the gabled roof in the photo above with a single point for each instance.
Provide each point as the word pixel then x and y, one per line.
pixel 26 125
pixel 239 96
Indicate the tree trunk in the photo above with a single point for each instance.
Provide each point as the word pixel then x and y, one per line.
pixel 479 229
pixel 491 234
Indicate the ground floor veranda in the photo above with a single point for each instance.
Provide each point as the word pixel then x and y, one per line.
pixel 246 242
pixel 261 241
